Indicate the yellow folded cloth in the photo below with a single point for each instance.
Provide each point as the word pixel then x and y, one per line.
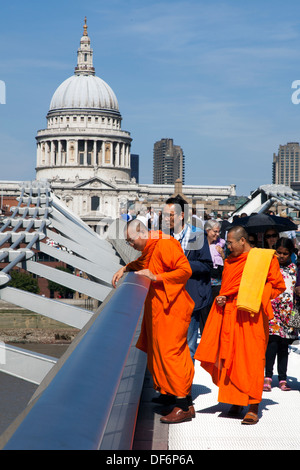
pixel 254 279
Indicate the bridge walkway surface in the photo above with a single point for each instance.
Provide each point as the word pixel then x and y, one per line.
pixel 212 429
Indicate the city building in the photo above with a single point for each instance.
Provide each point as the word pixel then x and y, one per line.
pixel 286 165
pixel 135 167
pixel 168 162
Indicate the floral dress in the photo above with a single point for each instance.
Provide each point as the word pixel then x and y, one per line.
pixel 283 305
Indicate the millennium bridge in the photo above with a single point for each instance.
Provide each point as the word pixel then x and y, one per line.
pixel 97 395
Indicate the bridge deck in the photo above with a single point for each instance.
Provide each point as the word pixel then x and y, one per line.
pixel 278 427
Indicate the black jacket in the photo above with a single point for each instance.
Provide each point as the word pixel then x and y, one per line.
pixel 199 284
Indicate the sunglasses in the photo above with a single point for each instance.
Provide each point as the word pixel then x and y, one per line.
pixel 272 235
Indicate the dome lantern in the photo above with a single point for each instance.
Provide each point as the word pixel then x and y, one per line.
pixel 85 55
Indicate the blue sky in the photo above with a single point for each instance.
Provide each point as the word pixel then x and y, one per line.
pixel 213 75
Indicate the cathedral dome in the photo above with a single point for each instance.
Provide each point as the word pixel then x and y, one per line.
pixel 84 137
pixel 85 92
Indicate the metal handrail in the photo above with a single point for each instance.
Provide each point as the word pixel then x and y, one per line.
pixel 71 408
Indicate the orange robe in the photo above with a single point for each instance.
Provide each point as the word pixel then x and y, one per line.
pixel 233 345
pixel 167 314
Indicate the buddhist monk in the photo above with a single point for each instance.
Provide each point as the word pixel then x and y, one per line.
pixel 167 314
pixel 233 345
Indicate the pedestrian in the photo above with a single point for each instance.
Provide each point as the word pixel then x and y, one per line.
pixel 253 240
pixel 233 345
pixel 195 247
pixel 217 251
pixel 292 235
pixel 141 215
pixel 196 219
pixel 270 238
pixel 281 334
pixel 124 214
pixel 167 314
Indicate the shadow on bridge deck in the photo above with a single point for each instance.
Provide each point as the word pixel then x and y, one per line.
pixel 278 427
pixel 150 433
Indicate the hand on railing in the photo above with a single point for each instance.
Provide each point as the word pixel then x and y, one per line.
pixel 147 273
pixel 117 276
pixel 143 272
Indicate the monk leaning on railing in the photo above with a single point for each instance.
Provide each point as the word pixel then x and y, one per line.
pixel 167 315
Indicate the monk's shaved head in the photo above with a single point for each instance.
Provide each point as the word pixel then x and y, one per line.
pixel 135 225
pixel 237 240
pixel 238 232
pixel 136 234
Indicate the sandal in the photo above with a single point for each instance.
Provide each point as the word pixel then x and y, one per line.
pixel 250 418
pixel 267 384
pixel 283 386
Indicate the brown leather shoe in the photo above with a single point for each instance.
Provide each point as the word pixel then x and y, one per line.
pixel 192 410
pixel 177 415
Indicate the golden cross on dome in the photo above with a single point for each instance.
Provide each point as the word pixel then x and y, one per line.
pixel 85 27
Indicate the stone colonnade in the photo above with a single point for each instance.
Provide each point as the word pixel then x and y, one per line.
pixel 82 152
